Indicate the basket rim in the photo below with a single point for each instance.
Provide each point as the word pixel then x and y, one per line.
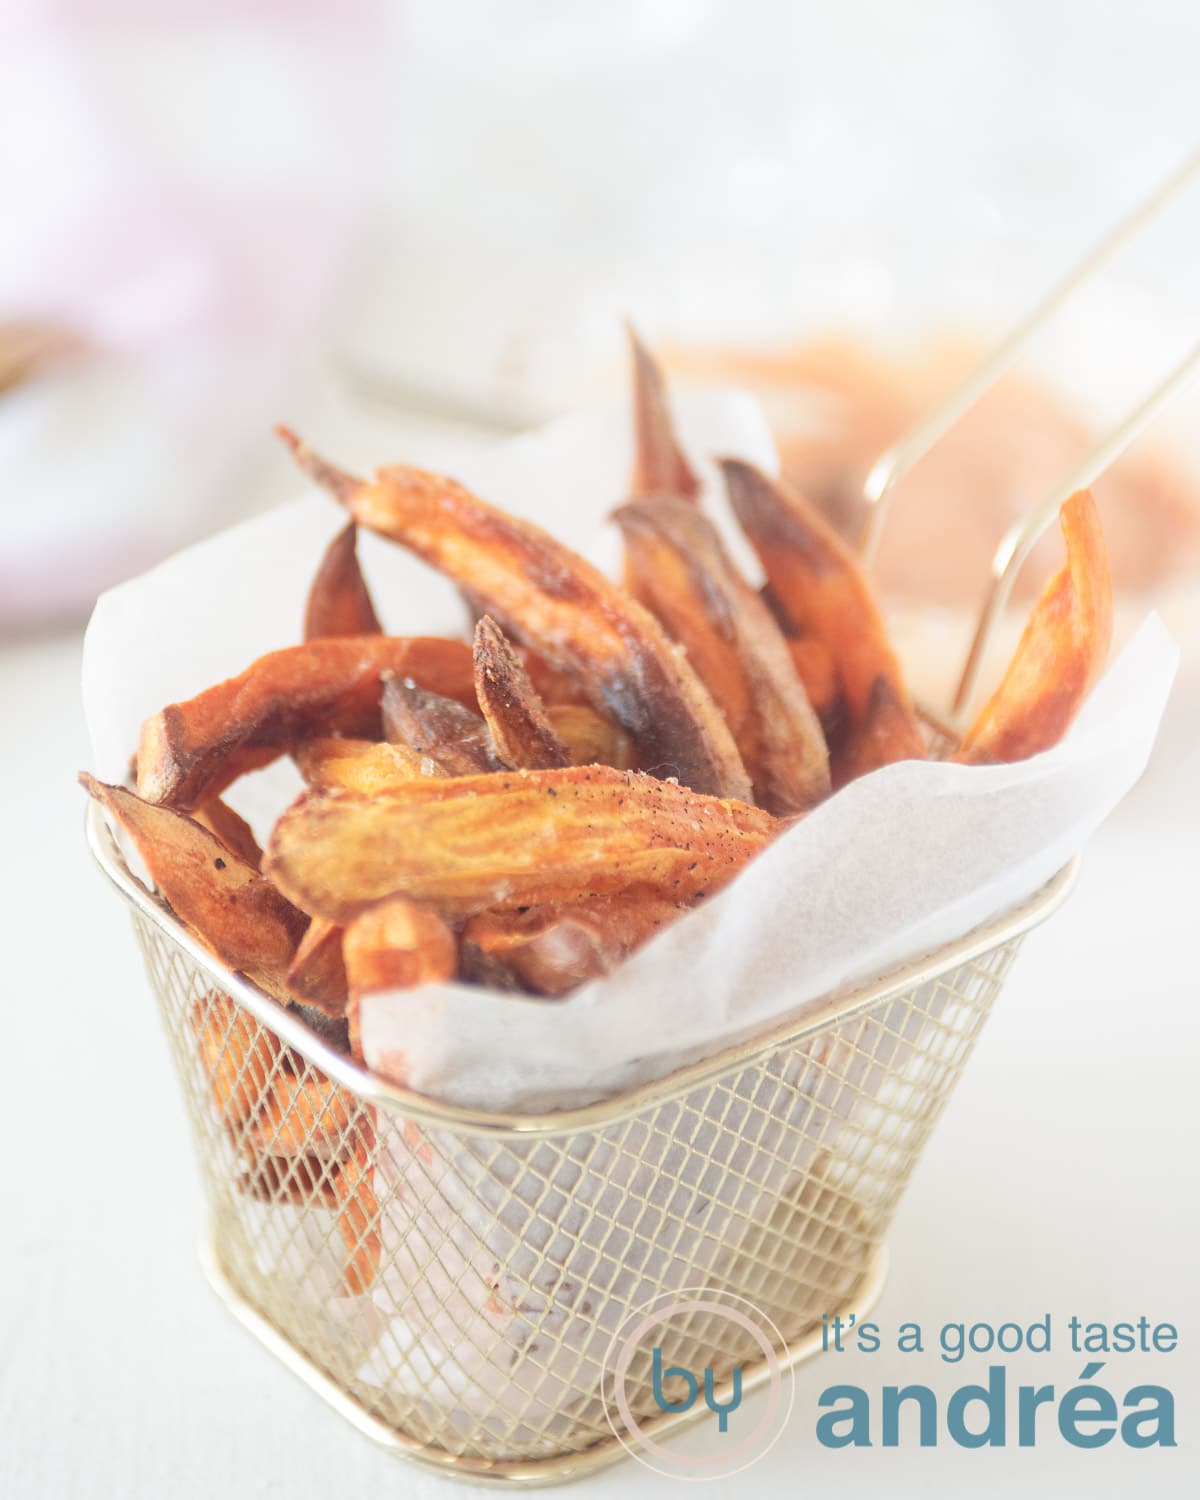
pixel 817 1016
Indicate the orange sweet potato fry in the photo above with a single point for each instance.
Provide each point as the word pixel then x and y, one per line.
pixel 816 580
pixel 396 945
pixel 362 765
pixel 659 466
pixel 555 687
pixel 191 751
pixel 590 739
pixel 436 728
pixel 304 1116
pixel 338 601
pixel 522 734
pixel 553 949
pixel 302 1180
pixel 358 1221
pixel 236 911
pixel 814 666
pixel 1060 654
pixel 548 597
pixel 512 838
pixel 238 1056
pixel 680 569
pixel 317 972
pixel 232 830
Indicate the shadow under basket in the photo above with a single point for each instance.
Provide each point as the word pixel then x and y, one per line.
pixel 452 1280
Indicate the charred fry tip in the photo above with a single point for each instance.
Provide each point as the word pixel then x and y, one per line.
pixel 637 345
pixel 735 469
pixel 340 484
pixel 660 464
pixel 487 630
pixel 89 783
pixel 644 512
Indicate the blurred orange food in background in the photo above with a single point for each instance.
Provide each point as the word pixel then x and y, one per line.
pixel 835 404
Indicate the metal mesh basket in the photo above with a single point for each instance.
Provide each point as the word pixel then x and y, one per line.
pixel 452 1280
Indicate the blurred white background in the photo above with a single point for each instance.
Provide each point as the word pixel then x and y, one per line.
pixel 343 209
pixel 404 227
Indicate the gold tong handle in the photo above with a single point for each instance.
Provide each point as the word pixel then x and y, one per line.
pixel 895 462
pixel 1021 537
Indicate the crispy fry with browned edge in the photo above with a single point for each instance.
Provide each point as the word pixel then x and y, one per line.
pixel 514 838
pixel 363 765
pixel 555 687
pixel 338 601
pixel 817 581
pixel 813 663
pixel 682 572
pixel 301 1116
pixel 430 725
pixel 358 1220
pixel 1061 652
pixel 191 751
pixel 230 907
pixel 553 949
pixel 522 734
pixel 237 1055
pixel 659 467
pixel 814 666
pixel 302 1180
pixel 396 945
pixel 591 739
pixel 544 594
pixel 232 829
pixel 317 972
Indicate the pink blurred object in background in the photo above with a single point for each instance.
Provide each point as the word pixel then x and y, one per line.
pixel 196 252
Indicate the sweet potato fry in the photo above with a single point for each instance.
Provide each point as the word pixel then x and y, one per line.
pixel 191 751
pixel 659 467
pixel 232 830
pixel 553 949
pixel 396 945
pixel 546 596
pixel 680 569
pixel 814 666
pixel 358 1221
pixel 338 601
pixel 816 581
pixel 591 739
pixel 304 1116
pixel 237 1055
pixel 522 734
pixel 1061 652
pixel 302 1180
pixel 317 972
pixel 510 839
pixel 436 728
pixel 362 765
pixel 236 911
pixel 332 1030
pixel 554 686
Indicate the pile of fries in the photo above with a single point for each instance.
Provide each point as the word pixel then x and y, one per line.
pixel 525 809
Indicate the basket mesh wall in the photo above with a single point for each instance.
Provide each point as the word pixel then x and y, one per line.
pixel 464 1288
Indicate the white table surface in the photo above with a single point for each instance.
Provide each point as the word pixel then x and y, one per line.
pixel 1062 1179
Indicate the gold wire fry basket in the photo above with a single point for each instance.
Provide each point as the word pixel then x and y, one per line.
pixel 770 1171
pixel 451 1280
